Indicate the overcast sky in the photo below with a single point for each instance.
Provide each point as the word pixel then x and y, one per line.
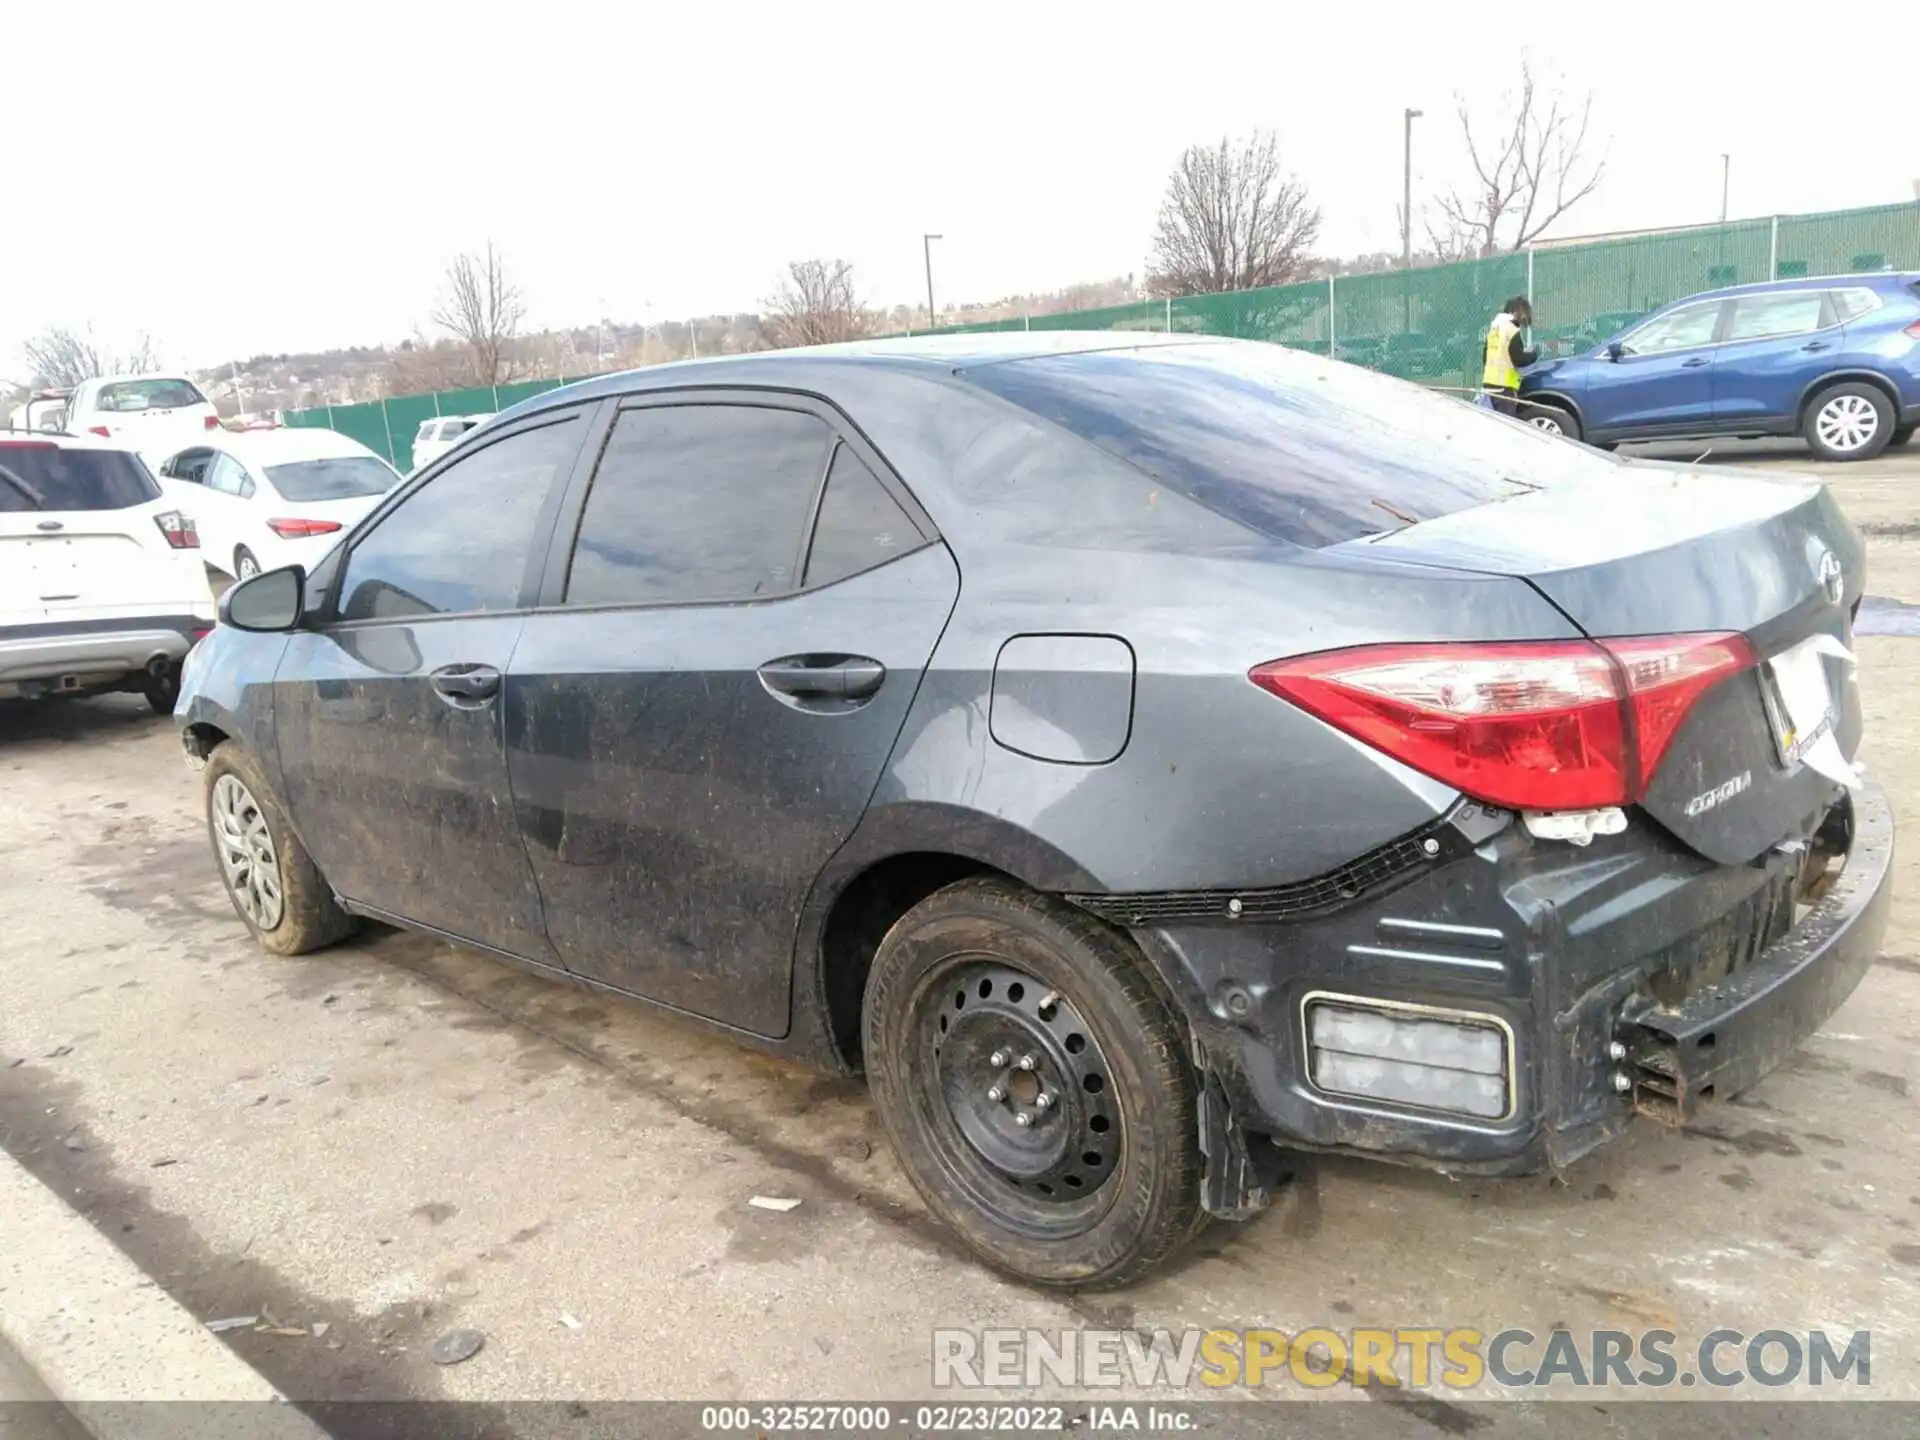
pixel 233 179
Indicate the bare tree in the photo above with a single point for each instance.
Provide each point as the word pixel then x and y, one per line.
pixel 482 310
pixel 63 358
pixel 1232 220
pixel 1530 167
pixel 816 305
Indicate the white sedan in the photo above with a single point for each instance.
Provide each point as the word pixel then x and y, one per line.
pixel 264 499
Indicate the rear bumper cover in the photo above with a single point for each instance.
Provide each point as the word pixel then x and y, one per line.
pixel 40 657
pixel 1570 951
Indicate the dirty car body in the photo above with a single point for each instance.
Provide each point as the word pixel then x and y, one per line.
pixel 1261 665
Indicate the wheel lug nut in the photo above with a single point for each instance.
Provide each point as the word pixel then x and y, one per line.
pixel 999 1057
pixel 1023 1119
pixel 994 1092
pixel 1026 1062
pixel 1042 1100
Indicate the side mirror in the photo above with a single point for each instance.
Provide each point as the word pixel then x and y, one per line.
pixel 270 602
pixel 1615 350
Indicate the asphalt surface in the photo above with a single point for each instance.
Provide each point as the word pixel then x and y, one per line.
pixel 399 1138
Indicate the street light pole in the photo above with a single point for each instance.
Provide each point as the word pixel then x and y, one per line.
pixel 1726 172
pixel 926 250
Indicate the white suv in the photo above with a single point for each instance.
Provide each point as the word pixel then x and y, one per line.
pixel 101 584
pixel 437 436
pixel 154 414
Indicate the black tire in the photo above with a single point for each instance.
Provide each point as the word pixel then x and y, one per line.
pixel 1122 1193
pixel 1901 435
pixel 162 690
pixel 1555 419
pixel 1850 395
pixel 308 916
pixel 242 558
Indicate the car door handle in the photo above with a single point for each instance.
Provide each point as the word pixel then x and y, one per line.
pixel 823 677
pixel 1694 364
pixel 1817 345
pixel 466 684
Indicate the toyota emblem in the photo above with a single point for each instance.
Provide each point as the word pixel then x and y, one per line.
pixel 1827 571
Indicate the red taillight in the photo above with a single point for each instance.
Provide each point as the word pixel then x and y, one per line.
pixel 212 422
pixel 28 445
pixel 101 431
pixel 1538 725
pixel 1914 329
pixel 298 529
pixel 179 529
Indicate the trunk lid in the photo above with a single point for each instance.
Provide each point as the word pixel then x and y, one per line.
pixel 1652 549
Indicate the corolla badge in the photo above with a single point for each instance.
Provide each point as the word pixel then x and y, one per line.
pixel 1827 571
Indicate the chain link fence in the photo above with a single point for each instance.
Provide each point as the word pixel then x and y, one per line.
pixel 1427 324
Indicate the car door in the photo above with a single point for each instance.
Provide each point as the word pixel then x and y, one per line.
pixel 387 709
pixel 226 490
pixel 731 635
pixel 1777 343
pixel 1660 378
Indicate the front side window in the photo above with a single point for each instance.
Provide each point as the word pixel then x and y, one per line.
pixel 461 542
pixel 1679 330
pixel 1761 317
pixel 698 502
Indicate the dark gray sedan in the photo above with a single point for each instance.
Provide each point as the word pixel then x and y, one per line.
pixel 1143 758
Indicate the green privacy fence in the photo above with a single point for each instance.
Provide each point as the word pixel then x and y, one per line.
pixel 1428 324
pixel 1424 324
pixel 387 427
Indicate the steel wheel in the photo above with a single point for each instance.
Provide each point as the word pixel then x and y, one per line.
pixel 245 567
pixel 248 862
pixel 1021 1098
pixel 1847 422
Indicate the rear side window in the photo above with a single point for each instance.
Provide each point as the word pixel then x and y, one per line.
pixel 129 395
pixel 48 477
pixel 1853 302
pixel 1285 444
pixel 698 502
pixel 460 543
pixel 860 524
pixel 1791 312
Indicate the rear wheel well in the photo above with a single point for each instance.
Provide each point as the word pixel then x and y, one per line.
pixel 1821 386
pixel 859 920
pixel 200 739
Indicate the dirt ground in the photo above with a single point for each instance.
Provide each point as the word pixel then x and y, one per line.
pixel 397 1138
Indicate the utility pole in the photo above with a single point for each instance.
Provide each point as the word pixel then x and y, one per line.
pixel 1406 228
pixel 926 250
pixel 1726 172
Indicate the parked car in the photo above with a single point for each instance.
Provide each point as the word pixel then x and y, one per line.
pixel 437 436
pixel 1136 754
pixel 1835 360
pixel 101 586
pixel 154 414
pixel 264 499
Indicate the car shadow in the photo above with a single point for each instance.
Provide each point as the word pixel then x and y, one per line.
pixel 64 721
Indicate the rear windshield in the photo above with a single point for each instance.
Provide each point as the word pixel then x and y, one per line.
pixel 155 394
pixel 1292 446
pixel 344 477
pixel 46 477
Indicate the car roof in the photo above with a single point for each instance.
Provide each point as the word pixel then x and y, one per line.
pixel 140 379
pixel 286 445
pixel 923 354
pixel 1874 278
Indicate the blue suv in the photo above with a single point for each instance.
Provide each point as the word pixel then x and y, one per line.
pixel 1836 360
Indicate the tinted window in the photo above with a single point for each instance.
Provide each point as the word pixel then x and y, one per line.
pixel 126 395
pixel 860 524
pixel 698 502
pixel 338 477
pixel 460 543
pixel 1792 312
pixel 38 476
pixel 1688 326
pixel 1853 301
pixel 1286 444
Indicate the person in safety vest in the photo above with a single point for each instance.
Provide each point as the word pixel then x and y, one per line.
pixel 1507 355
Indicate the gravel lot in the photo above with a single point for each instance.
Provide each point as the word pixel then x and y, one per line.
pixel 397 1138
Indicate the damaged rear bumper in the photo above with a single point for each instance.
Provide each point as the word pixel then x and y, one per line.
pixel 1628 979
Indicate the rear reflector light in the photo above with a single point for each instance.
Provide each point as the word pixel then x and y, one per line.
pixel 1536 725
pixel 212 422
pixel 101 431
pixel 179 529
pixel 297 529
